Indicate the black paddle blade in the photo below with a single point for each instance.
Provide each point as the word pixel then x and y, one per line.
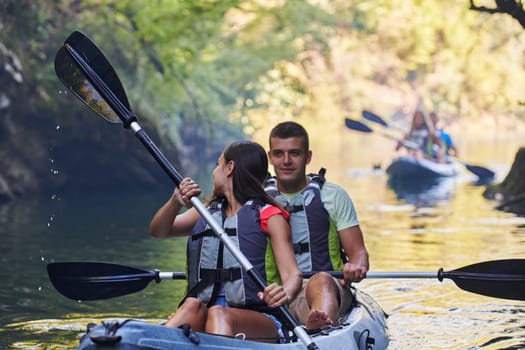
pixel 499 278
pixel 357 125
pixel 97 280
pixel 481 172
pixel 76 81
pixel 374 118
pixel 96 60
pixel 84 69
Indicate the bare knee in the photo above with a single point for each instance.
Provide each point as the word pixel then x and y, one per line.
pixel 321 282
pixel 218 313
pixel 219 321
pixel 192 311
pixel 321 286
pixel 193 305
pixel 321 278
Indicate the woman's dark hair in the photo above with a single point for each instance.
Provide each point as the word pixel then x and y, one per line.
pixel 249 172
pixel 289 129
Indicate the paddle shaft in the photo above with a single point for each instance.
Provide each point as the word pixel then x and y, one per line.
pixel 158 276
pixel 406 143
pixel 440 275
pixel 157 154
pixel 337 274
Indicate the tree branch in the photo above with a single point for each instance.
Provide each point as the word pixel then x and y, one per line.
pixel 513 8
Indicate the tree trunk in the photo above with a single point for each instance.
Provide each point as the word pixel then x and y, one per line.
pixel 511 191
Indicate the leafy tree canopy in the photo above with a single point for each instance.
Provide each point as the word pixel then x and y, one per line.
pixel 202 70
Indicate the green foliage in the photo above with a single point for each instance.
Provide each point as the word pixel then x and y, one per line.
pixel 201 71
pixel 460 62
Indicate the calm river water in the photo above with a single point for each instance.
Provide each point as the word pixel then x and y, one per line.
pixel 449 226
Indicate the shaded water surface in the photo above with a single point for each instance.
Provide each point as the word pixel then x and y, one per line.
pixel 449 226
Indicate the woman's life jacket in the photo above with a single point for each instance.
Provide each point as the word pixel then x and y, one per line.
pixel 422 138
pixel 211 266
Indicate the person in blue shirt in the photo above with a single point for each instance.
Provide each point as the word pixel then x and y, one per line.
pixel 450 147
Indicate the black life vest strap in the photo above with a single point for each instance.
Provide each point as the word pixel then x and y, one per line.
pixel 214 276
pixel 221 275
pixel 294 208
pixel 300 248
pixel 319 178
pixel 209 232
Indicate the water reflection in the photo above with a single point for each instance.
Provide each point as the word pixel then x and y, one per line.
pixel 424 193
pixel 97 227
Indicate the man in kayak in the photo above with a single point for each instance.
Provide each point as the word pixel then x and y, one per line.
pixel 325 229
pixel 222 298
pixel 450 147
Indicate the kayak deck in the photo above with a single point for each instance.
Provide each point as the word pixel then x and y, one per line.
pixel 364 327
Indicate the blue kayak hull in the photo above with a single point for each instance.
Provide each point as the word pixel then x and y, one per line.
pixel 363 328
pixel 411 169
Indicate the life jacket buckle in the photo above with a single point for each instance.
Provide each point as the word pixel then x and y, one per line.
pixel 229 275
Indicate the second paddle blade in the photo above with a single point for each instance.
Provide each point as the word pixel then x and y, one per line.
pixel 95 280
pixel 499 278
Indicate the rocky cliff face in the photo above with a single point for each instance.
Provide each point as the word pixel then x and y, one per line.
pixel 50 142
pixel 13 172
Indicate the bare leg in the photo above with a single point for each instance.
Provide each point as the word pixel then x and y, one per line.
pixel 324 300
pixel 192 311
pixel 230 321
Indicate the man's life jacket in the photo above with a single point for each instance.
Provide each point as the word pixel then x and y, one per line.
pixel 314 236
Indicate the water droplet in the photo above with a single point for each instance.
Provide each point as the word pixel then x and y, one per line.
pixel 58 127
pixel 53 196
pixel 39 288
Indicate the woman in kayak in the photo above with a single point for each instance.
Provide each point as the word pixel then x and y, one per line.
pixel 221 297
pixel 420 141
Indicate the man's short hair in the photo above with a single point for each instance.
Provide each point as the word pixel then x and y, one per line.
pixel 285 130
